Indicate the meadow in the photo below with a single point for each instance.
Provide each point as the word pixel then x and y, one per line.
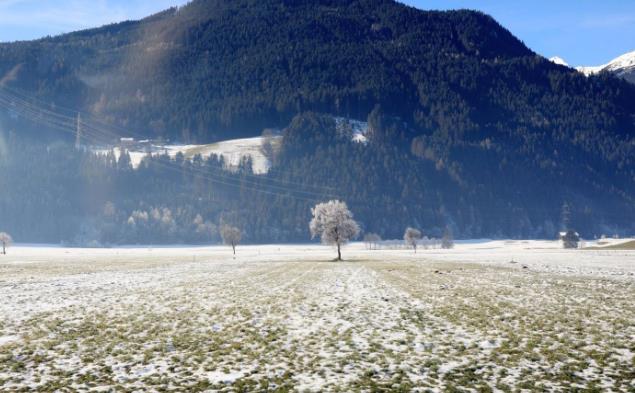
pixel 485 316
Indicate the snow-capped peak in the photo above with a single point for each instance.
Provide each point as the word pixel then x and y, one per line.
pixel 619 65
pixel 626 61
pixel 559 60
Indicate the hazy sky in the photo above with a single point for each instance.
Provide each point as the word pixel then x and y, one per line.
pixel 28 19
pixel 583 32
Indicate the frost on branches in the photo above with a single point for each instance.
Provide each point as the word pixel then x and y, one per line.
pixel 334 223
pixel 412 237
pixel 231 236
pixel 5 241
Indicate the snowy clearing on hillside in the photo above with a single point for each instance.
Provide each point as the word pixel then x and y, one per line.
pixel 232 151
pixel 487 315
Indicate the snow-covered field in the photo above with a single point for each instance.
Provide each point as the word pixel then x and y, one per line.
pixel 487 315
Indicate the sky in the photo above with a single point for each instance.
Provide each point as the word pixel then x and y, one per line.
pixel 30 19
pixel 582 32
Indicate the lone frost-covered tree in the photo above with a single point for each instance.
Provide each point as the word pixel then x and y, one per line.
pixel 334 223
pixel 412 236
pixel 231 236
pixel 5 240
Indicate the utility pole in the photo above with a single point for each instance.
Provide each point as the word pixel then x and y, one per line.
pixel 78 132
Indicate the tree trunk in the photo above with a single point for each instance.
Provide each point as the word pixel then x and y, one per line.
pixel 415 247
pixel 339 253
pixel 234 248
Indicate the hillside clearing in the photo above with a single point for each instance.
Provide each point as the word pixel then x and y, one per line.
pixel 232 151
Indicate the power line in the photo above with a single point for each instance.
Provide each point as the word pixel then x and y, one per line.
pixel 82 128
pixel 105 131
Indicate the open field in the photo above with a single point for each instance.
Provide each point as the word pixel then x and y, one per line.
pixel 629 245
pixel 486 316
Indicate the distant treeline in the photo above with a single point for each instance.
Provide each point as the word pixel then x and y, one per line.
pixel 52 192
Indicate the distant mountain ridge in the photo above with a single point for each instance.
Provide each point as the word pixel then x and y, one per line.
pixel 622 66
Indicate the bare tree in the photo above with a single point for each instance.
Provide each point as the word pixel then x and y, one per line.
pixel 334 223
pixel 372 240
pixel 448 240
pixel 367 243
pixel 6 241
pixel 412 236
pixel 231 236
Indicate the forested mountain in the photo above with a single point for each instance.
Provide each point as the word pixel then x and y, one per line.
pixel 468 127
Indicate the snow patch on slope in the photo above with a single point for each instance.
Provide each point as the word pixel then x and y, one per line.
pixel 559 60
pixel 355 129
pixel 590 70
pixel 232 151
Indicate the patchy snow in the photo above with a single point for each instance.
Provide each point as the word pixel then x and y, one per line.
pixel 355 129
pixel 284 316
pixel 232 151
pixel 226 378
pixel 447 367
pixel 8 339
pixel 544 256
pixel 590 70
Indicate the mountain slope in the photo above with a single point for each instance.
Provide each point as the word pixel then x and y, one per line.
pixel 214 66
pixel 467 126
pixel 217 70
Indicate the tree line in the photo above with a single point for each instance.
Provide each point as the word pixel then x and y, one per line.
pixel 55 193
